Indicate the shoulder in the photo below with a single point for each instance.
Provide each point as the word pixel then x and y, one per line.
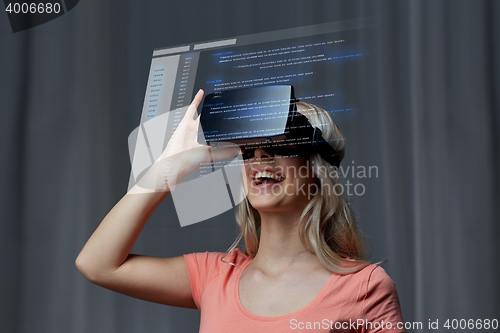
pixel 203 258
pixel 373 279
pixel 207 267
pixel 379 296
pixel 379 280
pixel 366 281
pixel 215 259
pixel 370 274
pixel 209 264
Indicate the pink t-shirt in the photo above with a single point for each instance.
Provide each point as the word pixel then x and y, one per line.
pixel 365 301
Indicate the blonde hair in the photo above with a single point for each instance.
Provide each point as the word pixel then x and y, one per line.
pixel 327 226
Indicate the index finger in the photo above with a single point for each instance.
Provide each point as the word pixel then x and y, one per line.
pixel 194 104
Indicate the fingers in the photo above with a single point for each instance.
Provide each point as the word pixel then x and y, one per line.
pixel 194 104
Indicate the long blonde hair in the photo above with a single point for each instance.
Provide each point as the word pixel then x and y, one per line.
pixel 327 226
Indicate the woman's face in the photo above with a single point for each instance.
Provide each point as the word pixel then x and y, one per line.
pixel 278 183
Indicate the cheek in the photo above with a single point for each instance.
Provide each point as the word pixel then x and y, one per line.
pixel 301 176
pixel 297 168
pixel 295 162
pixel 245 173
pixel 246 170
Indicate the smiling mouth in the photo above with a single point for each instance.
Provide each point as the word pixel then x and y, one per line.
pixel 267 178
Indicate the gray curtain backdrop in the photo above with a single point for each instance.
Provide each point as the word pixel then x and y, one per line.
pixel 72 90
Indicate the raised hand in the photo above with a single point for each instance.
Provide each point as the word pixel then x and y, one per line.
pixel 183 153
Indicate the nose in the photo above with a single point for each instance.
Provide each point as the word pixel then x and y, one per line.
pixel 262 153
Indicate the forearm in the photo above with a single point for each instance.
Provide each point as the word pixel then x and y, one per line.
pixel 111 243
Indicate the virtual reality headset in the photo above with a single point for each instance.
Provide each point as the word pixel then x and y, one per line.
pixel 262 117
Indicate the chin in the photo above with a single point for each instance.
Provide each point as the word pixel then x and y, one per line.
pixel 269 202
pixel 263 205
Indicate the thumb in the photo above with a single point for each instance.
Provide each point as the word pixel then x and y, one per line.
pixel 194 104
pixel 217 154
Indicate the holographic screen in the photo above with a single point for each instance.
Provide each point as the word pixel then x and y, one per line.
pixel 321 61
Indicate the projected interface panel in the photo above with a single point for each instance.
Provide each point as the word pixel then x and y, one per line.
pixel 324 63
pixel 322 66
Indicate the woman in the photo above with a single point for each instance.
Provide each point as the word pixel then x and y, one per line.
pixel 305 270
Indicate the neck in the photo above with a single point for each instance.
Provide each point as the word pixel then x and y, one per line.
pixel 280 246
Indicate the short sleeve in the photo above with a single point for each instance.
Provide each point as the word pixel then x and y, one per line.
pixel 202 268
pixel 381 309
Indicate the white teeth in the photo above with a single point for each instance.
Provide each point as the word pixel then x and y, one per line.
pixel 263 174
